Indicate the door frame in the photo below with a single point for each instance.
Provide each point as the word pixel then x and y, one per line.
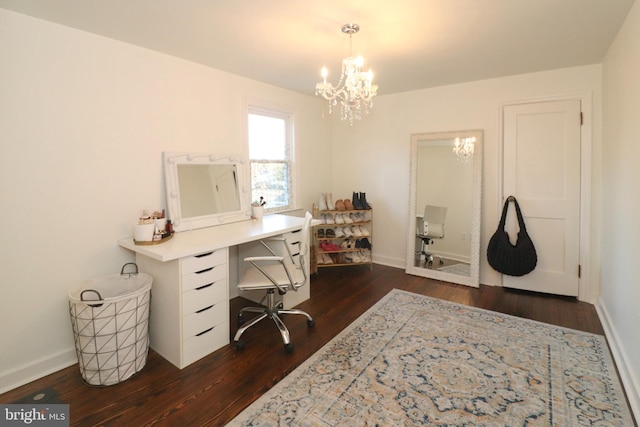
pixel 585 291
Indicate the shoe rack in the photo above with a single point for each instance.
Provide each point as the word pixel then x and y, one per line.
pixel 341 242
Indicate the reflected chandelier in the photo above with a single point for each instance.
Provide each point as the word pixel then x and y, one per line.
pixel 463 148
pixel 355 90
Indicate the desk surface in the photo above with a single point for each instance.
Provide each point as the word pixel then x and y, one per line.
pixel 188 243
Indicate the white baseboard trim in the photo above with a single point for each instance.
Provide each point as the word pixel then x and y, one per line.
pixel 629 379
pixel 389 261
pixel 36 370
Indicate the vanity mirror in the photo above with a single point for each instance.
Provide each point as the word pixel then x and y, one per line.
pixel 204 190
pixel 443 240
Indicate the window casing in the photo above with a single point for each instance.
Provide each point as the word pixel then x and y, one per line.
pixel 271 158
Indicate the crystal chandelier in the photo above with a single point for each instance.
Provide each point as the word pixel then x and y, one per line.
pixel 354 91
pixel 463 148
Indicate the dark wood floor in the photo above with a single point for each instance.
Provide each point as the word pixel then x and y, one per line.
pixel 215 389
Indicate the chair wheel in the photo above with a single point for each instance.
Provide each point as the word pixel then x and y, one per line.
pixel 239 345
pixel 288 348
pixel 311 323
pixel 241 320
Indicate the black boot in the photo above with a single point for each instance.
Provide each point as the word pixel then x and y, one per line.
pixel 363 201
pixel 357 204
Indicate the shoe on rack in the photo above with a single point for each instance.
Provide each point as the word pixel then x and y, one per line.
pixel 322 202
pixel 339 218
pixel 348 205
pixel 347 231
pixel 355 230
pixel 320 232
pixel 363 231
pixel 330 205
pixel 339 205
pixel 347 218
pixel 329 218
pixel 363 201
pixel 355 201
pixel 365 243
pixel 364 256
pixel 330 234
pixel 339 232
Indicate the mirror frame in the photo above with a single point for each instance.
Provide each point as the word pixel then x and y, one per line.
pixel 474 278
pixel 172 160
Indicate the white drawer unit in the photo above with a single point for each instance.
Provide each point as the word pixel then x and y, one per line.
pixel 189 316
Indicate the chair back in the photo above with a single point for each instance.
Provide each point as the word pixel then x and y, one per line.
pixel 304 241
pixel 434 218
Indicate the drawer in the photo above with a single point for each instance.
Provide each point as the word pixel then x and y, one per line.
pixel 204 277
pixel 204 296
pixel 203 261
pixel 203 319
pixel 208 341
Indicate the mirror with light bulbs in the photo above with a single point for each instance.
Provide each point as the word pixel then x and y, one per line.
pixel 204 190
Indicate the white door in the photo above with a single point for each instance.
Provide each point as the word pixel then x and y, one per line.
pixel 542 170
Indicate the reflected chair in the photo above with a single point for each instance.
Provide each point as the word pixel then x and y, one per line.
pixel 281 271
pixel 429 228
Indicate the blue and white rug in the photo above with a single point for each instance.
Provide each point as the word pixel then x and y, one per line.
pixel 413 360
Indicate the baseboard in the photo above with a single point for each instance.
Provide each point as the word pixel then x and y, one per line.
pixel 36 370
pixel 389 261
pixel 629 380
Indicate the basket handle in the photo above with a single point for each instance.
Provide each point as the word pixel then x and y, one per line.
pixel 131 273
pixel 95 292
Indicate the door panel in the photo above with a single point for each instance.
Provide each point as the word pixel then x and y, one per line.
pixel 542 170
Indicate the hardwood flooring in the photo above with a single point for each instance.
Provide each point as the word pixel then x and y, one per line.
pixel 213 390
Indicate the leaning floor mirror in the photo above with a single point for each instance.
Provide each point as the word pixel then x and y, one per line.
pixel 443 240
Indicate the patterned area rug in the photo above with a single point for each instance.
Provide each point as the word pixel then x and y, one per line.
pixel 412 360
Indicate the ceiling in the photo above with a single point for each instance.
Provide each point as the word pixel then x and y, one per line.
pixel 409 44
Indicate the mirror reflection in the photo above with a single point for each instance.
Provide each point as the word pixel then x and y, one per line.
pixel 443 240
pixel 208 189
pixel 204 190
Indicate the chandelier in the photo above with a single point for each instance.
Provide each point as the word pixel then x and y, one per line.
pixel 463 148
pixel 354 91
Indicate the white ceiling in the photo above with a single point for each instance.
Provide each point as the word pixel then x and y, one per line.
pixel 409 44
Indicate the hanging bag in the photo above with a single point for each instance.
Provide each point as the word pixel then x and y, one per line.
pixel 512 260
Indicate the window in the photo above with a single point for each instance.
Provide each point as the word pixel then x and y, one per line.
pixel 270 148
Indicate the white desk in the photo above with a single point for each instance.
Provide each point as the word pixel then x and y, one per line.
pixel 189 315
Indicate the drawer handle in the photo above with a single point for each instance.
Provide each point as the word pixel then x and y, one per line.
pixel 204 286
pixel 203 255
pixel 205 309
pixel 204 332
pixel 204 271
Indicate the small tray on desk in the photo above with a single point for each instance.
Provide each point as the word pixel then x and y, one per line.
pixel 154 242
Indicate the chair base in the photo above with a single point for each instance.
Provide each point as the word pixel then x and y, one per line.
pixel 272 310
pixel 429 257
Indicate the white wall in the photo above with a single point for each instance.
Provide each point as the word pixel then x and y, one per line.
pixel 373 156
pixel 83 123
pixel 620 298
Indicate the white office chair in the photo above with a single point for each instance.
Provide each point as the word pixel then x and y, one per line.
pixel 429 228
pixel 281 273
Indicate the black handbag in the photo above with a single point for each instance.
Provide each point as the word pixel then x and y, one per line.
pixel 512 260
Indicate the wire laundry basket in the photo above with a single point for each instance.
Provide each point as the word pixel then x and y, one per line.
pixel 110 320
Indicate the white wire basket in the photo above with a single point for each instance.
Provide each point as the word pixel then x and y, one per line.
pixel 110 320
